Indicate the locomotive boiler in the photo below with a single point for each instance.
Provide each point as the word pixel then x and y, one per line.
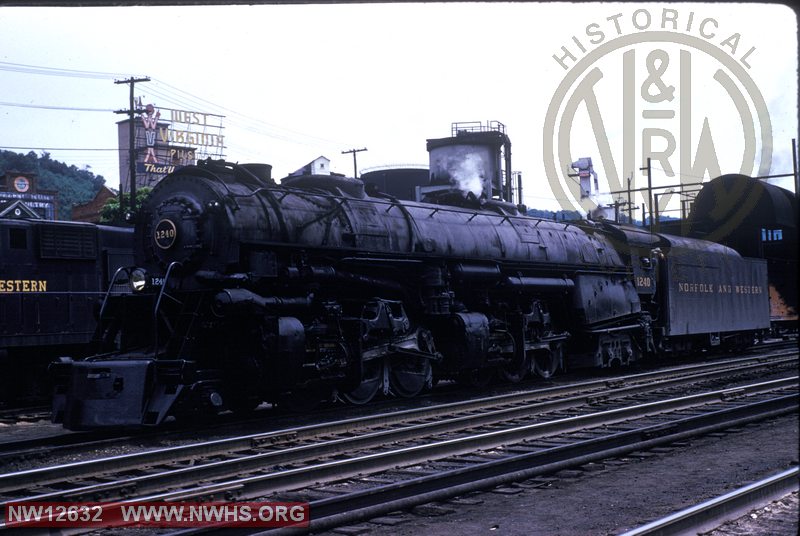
pixel 246 290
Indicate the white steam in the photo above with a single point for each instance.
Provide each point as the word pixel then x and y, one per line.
pixel 467 173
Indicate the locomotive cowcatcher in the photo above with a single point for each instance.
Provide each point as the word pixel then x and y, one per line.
pixel 246 290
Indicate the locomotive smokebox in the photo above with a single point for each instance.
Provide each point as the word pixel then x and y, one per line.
pixel 474 160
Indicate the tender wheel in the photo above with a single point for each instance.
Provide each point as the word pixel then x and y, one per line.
pixel 371 382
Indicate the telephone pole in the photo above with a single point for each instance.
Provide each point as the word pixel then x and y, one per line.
pixel 794 166
pixel 630 205
pixel 355 167
pixel 649 191
pixel 131 111
pixel 617 204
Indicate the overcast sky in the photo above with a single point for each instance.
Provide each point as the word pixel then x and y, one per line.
pixel 298 81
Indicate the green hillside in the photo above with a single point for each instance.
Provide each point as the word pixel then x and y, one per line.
pixel 74 186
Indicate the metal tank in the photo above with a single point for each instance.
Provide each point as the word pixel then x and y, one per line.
pixel 475 161
pixel 398 182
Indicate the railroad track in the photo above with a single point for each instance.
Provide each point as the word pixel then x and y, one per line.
pixel 24 414
pixel 357 498
pixel 78 443
pixel 711 514
pixel 61 443
pixel 265 464
pixel 353 506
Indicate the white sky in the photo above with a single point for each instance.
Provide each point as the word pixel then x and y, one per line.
pixel 299 81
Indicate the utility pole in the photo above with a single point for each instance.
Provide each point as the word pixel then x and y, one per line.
pixel 794 166
pixel 617 204
pixel 355 167
pixel 131 111
pixel 649 191
pixel 658 217
pixel 630 205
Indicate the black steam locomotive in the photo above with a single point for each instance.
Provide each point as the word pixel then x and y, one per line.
pixel 52 277
pixel 247 290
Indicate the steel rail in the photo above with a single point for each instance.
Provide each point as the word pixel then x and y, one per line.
pixel 710 514
pixel 87 440
pixel 47 475
pixel 366 504
pixel 369 503
pixel 255 485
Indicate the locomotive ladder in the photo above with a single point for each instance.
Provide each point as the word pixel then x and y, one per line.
pixel 109 312
pixel 158 313
pixel 190 312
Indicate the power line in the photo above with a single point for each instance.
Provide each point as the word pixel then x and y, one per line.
pixel 52 71
pixel 183 99
pixel 45 107
pixel 171 93
pixel 178 94
pixel 57 148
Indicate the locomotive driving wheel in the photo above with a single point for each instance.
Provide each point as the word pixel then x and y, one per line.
pixel 409 374
pixel 372 379
pixel 517 363
pixel 516 369
pixel 547 362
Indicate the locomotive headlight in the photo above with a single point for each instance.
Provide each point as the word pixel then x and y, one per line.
pixel 139 280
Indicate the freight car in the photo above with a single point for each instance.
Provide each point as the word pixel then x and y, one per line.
pixel 246 290
pixel 52 277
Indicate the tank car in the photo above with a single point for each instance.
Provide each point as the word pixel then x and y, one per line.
pixel 52 277
pixel 757 219
pixel 246 290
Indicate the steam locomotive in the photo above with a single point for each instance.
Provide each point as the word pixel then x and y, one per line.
pixel 246 290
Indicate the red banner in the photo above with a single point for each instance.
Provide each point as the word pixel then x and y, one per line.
pixel 155 514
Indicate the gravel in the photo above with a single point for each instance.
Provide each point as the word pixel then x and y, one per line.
pixel 616 495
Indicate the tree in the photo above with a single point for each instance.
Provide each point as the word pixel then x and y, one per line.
pixel 74 186
pixel 110 212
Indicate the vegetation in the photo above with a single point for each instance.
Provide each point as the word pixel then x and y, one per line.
pixel 74 186
pixel 561 215
pixel 111 213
